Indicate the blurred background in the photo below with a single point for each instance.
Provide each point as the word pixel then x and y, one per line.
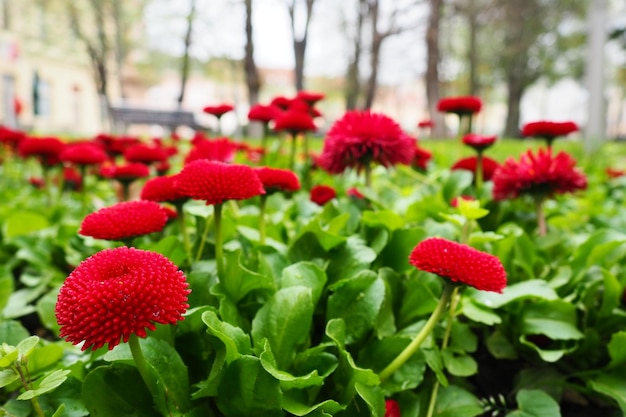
pixel 64 63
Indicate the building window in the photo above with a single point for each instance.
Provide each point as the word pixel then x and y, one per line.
pixel 42 96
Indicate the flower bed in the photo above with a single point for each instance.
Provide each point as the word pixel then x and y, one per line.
pixel 385 288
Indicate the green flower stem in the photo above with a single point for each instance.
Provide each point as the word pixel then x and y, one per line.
pixel 292 153
pixel 368 175
pixel 205 233
pixel 25 379
pixel 141 363
pixel 479 173
pixel 454 302
pixel 219 250
pixel 421 336
pixel 264 142
pixel 262 206
pixel 183 228
pixel 542 227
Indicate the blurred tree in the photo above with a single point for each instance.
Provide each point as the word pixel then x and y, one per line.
pixel 185 61
pixel 253 80
pixel 433 60
pixel 352 89
pixel 300 39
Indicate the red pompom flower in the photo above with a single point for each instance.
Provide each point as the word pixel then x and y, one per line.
pixel 478 142
pixel 218 110
pixel 217 182
pixel 84 153
pixel 47 150
pixel 462 106
pixel 162 189
pixel 459 263
pixel 124 220
pixel 392 409
pixel 119 292
pixel 470 164
pixel 322 194
pixel 263 113
pixel 276 179
pixel 539 175
pixel 361 138
pixel 548 130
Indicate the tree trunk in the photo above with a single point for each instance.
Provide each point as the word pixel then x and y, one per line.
pixel 432 68
pixel 299 44
pixel 253 80
pixel 372 82
pixel 185 64
pixel 120 50
pixel 353 74
pixel 472 12
pixel 516 87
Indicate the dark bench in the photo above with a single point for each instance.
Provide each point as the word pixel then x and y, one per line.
pixel 170 119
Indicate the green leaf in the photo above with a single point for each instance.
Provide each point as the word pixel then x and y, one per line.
pixel 479 238
pixel 462 338
pixel 459 364
pixel 287 380
pixel 284 320
pixel 396 254
pixel 535 288
pixel 372 396
pixel 454 401
pixel 500 347
pixel 26 346
pixel 45 384
pixel 9 355
pixel 350 259
pixel 46 310
pixel 306 274
pixel 386 218
pixel 236 341
pixel 617 349
pixel 613 385
pixel 170 247
pixel 6 286
pixel 247 390
pixel 555 319
pixel 479 313
pixel 44 357
pixel 117 390
pixel 8 376
pixel 357 301
pixel 298 407
pixel 239 280
pixel 535 403
pixel 612 294
pixel 455 184
pixel 23 222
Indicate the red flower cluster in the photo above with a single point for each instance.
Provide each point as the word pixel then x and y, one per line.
pixel 162 189
pixel 322 194
pixel 218 110
pixel 309 97
pixel 217 182
pixel 360 138
pixel 421 157
pixel 144 153
pixel 540 175
pixel 548 130
pixel 11 137
pixel 126 173
pixel 465 105
pixel 47 150
pixel 614 172
pixel 124 220
pixel 275 179
pixel 469 164
pixel 263 113
pixel 220 149
pixel 478 142
pixel 84 153
pixel 119 292
pixel 459 263
pixel 294 120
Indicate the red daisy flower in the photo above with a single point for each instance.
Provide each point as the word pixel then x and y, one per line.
pixel 84 153
pixel 125 173
pixel 11 137
pixel 421 157
pixel 614 172
pixel 461 106
pixel 47 150
pixel 217 182
pixel 124 220
pixel 115 146
pixel 322 194
pixel 146 154
pixel 309 97
pixel 355 193
pixel 426 124
pixel 220 149
pixel 548 130
pixel 263 113
pixel 540 175
pixel 119 292
pixel 218 110
pixel 469 164
pixel 392 409
pixel 459 263
pixel 162 189
pixel 478 142
pixel 294 121
pixel 275 179
pixel 360 138
pixel 281 102
pixel 72 179
pixel 37 182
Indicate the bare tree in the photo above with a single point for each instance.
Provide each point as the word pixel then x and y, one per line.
pixel 185 63
pixel 253 80
pixel 300 42
pixel 353 73
pixel 433 60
